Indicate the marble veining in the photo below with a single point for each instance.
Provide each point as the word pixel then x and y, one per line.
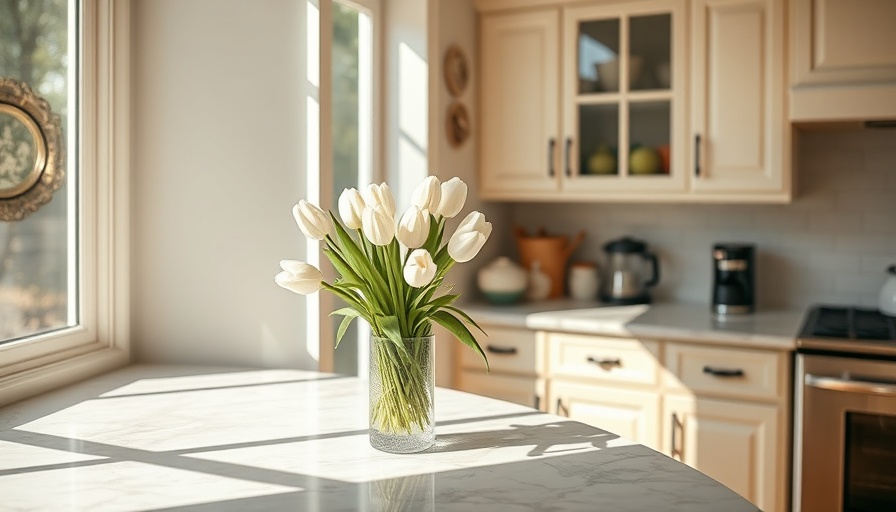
pixel 196 439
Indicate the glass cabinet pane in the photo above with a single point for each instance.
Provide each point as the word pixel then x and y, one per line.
pixel 598 61
pixel 650 127
pixel 650 61
pixel 599 136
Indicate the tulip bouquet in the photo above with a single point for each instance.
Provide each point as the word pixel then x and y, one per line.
pixel 389 275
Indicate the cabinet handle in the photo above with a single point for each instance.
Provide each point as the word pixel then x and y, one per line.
pixel 500 350
pixel 605 362
pixel 537 402
pixel 723 372
pixel 676 425
pixel 697 155
pixel 551 144
pixel 562 411
pixel 568 164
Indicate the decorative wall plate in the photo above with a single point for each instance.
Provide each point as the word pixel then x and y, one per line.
pixel 32 155
pixel 457 73
pixel 457 124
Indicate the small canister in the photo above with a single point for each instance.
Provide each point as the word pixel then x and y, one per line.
pixel 583 281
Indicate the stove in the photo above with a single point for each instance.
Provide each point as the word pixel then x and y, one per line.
pixel 844 452
pixel 848 330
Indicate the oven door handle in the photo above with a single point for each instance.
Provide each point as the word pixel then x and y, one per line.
pixel 851 386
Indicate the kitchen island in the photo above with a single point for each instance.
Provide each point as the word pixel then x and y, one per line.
pixel 195 438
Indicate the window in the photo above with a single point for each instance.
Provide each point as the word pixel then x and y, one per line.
pixel 63 269
pixel 352 140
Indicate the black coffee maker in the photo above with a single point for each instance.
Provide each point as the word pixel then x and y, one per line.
pixel 733 290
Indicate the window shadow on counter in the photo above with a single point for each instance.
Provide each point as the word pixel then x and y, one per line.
pixel 554 437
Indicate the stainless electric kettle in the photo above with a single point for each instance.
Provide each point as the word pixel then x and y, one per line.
pixel 629 272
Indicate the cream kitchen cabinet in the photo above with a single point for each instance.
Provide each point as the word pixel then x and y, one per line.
pixel 659 100
pixel 724 410
pixel 843 55
pixel 610 383
pixel 726 413
pixel 517 361
pixel 734 442
pixel 741 133
pixel 587 116
pixel 520 108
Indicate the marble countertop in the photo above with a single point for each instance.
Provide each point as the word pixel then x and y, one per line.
pixel 203 439
pixel 776 329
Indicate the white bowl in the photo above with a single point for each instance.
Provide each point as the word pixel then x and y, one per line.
pixel 608 73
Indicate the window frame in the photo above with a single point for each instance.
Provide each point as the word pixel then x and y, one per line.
pixel 323 304
pixel 100 340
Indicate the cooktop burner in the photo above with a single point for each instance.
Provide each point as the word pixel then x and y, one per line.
pixel 850 329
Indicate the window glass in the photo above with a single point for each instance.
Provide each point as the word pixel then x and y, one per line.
pixel 37 277
pixel 352 55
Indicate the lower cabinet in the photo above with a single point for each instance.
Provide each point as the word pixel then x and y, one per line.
pixel 521 390
pixel 734 442
pixel 631 414
pixel 722 410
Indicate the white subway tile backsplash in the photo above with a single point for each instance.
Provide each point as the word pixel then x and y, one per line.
pixel 831 244
pixel 837 222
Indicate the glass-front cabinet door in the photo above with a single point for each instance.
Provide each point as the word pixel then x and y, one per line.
pixel 624 89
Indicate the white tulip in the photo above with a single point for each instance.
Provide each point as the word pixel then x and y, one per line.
pixel 380 195
pixel 419 270
pixel 469 238
pixel 413 228
pixel 454 195
pixel 427 194
pixel 378 225
pixel 313 221
pixel 351 207
pixel 299 277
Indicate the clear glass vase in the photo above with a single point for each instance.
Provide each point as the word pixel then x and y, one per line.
pixel 402 418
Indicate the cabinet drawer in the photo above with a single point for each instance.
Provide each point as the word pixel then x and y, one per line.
pixel 519 390
pixel 725 371
pixel 508 350
pixel 606 359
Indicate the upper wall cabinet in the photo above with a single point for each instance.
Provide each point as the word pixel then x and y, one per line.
pixel 740 128
pixel 843 60
pixel 624 101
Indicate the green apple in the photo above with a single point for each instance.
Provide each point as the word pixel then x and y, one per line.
pixel 602 161
pixel 643 160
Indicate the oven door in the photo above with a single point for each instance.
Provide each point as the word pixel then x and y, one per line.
pixel 845 444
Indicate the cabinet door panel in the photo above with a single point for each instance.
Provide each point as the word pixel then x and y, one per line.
pixel 844 41
pixel 519 390
pixel 738 85
pixel 633 415
pixel 733 442
pixel 520 65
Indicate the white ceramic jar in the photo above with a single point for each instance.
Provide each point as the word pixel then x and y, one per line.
pixel 583 281
pixel 502 281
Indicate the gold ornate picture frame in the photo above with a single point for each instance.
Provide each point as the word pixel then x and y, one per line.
pixel 32 153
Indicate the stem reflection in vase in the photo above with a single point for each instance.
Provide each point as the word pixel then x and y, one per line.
pixel 401 394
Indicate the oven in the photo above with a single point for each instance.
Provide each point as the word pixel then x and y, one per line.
pixel 845 412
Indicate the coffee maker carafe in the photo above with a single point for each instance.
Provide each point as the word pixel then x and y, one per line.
pixel 628 272
pixel 733 284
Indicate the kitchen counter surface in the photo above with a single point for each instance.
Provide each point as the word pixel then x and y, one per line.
pixel 775 329
pixel 202 439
